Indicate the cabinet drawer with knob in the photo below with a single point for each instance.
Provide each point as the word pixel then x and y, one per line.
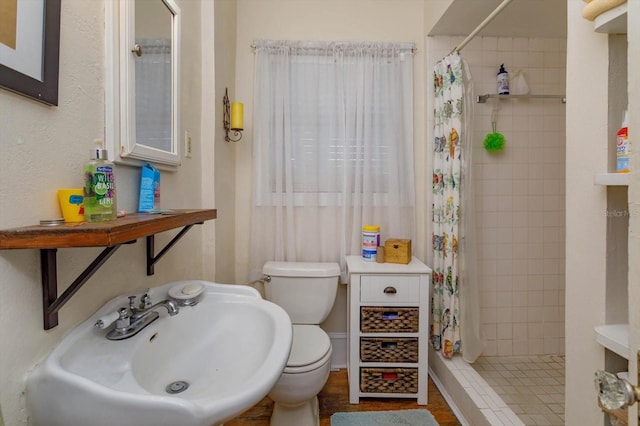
pixel 390 289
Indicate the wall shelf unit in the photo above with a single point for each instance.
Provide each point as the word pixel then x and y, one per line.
pixel 611 179
pixel 614 337
pixel 110 235
pixel 481 99
pixel 614 334
pixel 613 21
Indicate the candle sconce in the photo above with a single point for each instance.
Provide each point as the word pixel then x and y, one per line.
pixel 232 118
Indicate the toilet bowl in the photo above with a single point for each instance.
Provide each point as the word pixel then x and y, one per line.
pixel 306 291
pixel 295 394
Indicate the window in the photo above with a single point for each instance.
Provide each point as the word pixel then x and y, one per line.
pixel 333 129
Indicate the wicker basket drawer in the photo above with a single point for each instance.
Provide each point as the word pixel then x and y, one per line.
pixel 385 349
pixel 389 380
pixel 382 319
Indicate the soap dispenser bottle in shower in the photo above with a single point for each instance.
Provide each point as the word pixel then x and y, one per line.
pixel 503 81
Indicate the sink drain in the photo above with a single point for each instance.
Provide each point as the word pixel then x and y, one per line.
pixel 177 387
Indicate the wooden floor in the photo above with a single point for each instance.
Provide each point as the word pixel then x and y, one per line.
pixel 334 398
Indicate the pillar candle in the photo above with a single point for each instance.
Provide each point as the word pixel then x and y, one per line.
pixel 237 112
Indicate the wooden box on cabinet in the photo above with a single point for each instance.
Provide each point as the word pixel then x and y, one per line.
pixel 388 329
pixel 397 251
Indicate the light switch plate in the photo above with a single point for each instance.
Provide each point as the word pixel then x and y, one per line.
pixel 187 144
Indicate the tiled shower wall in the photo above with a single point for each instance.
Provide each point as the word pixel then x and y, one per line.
pixel 519 193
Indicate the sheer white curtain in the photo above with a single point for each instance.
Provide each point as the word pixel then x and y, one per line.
pixel 333 148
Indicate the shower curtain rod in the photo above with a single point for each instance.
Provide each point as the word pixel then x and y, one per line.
pixel 483 24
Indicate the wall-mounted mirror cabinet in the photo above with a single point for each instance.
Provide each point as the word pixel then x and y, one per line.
pixel 142 87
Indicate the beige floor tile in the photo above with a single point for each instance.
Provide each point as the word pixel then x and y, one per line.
pixel 532 386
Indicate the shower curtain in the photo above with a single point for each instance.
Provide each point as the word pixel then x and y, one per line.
pixel 454 305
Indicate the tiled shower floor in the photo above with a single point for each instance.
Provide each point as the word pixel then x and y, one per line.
pixel 532 386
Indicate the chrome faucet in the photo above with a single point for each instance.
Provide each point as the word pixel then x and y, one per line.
pixel 133 320
pixel 145 307
pixel 140 314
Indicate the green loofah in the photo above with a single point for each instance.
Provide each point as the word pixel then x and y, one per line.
pixel 494 142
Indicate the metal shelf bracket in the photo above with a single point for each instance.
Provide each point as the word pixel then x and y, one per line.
pixel 51 302
pixel 151 258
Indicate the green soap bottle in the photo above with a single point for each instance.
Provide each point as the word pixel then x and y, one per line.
pixel 99 186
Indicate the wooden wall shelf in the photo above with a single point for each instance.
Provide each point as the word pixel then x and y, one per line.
pixel 110 235
pixel 100 234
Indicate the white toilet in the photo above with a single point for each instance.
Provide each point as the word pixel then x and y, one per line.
pixel 307 292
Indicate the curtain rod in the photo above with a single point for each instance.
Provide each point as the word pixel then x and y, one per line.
pixel 414 49
pixel 483 24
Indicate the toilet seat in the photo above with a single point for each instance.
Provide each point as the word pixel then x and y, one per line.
pixel 311 348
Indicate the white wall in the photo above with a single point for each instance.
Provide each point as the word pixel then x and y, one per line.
pixel 633 38
pixel 205 146
pixel 587 136
pixel 381 20
pixel 225 158
pixel 433 11
pixel 44 148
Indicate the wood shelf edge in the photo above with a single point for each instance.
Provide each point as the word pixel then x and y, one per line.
pixel 101 234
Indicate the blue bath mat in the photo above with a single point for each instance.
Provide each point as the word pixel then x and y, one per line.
pixel 384 418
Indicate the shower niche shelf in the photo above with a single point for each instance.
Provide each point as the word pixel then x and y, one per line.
pixel 614 337
pixel 613 21
pixel 612 179
pixel 482 99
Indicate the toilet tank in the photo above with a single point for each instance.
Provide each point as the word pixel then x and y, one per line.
pixel 306 290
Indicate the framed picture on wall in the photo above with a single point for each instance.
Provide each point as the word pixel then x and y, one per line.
pixel 30 47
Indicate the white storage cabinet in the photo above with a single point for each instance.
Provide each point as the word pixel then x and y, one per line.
pixel 388 314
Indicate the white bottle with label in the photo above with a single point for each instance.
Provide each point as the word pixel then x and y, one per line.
pixel 503 81
pixel 622 147
pixel 370 242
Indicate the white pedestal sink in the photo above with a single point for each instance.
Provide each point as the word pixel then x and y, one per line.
pixel 201 367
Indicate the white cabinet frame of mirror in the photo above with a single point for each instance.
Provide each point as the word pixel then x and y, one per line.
pixel 120 117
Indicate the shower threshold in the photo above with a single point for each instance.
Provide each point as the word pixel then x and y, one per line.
pixel 468 394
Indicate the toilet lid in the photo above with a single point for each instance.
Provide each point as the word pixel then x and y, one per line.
pixel 310 344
